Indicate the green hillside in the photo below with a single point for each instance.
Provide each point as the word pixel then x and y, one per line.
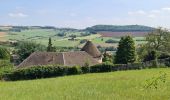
pixel 124 85
pixel 119 28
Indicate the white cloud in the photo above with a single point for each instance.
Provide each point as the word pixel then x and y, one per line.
pixel 139 12
pixel 166 9
pixel 152 16
pixel 17 15
pixel 155 11
pixel 156 17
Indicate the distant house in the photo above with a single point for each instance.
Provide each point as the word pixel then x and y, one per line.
pixel 89 54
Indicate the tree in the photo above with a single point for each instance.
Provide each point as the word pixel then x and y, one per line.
pixel 158 40
pixel 25 48
pixel 126 52
pixel 107 57
pixel 4 54
pixel 158 43
pixel 50 48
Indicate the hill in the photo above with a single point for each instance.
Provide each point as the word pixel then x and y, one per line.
pixel 117 28
pixel 124 85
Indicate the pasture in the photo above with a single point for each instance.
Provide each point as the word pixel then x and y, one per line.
pixel 123 85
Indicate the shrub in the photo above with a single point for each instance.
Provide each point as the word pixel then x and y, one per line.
pixel 105 67
pixel 73 70
pixel 111 41
pixel 40 72
pixel 5 66
pixel 4 54
pixel 34 73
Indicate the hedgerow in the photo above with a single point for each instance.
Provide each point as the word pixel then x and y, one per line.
pixel 37 72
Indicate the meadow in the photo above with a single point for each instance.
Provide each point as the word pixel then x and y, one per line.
pixel 122 85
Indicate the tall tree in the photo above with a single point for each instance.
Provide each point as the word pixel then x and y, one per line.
pixel 49 48
pixel 126 52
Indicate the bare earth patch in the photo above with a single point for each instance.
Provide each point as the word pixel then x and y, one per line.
pixel 2 35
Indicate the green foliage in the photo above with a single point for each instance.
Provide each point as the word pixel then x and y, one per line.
pixel 5 66
pixel 105 67
pixel 73 70
pixel 152 55
pixel 86 67
pixel 126 52
pixel 25 48
pixel 158 40
pixel 47 71
pixel 107 58
pixel 40 72
pixel 115 28
pixel 155 82
pixel 50 48
pixel 111 41
pixel 83 41
pixel 4 54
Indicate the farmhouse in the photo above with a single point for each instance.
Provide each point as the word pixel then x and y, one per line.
pixel 89 54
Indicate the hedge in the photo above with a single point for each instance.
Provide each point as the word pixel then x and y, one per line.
pixel 37 72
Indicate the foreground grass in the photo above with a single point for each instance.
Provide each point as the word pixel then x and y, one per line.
pixel 124 85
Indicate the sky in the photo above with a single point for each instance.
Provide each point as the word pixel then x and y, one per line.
pixel 85 13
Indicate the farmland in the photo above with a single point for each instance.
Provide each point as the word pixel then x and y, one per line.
pixel 41 35
pixel 119 34
pixel 123 85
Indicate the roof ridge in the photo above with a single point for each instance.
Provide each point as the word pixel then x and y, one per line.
pixel 63 58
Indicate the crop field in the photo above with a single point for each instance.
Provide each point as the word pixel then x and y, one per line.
pixel 123 85
pixel 2 35
pixel 119 34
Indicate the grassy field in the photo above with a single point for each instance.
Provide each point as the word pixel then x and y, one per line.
pixel 124 85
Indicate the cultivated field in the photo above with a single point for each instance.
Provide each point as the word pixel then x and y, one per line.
pixel 124 85
pixel 2 36
pixel 119 34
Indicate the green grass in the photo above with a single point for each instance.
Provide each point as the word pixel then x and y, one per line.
pixel 124 85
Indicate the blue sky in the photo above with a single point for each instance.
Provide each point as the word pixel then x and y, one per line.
pixel 84 13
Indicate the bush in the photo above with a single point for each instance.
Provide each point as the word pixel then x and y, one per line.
pixel 85 69
pixel 5 66
pixel 4 54
pixel 73 70
pixel 37 72
pixel 105 67
pixel 111 41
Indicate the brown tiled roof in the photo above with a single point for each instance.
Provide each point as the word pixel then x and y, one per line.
pixel 91 49
pixel 52 58
pixel 78 58
pixel 43 58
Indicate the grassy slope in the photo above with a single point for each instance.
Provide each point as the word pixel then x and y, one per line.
pixel 126 85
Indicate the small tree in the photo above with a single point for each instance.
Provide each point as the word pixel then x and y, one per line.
pixel 126 52
pixel 107 57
